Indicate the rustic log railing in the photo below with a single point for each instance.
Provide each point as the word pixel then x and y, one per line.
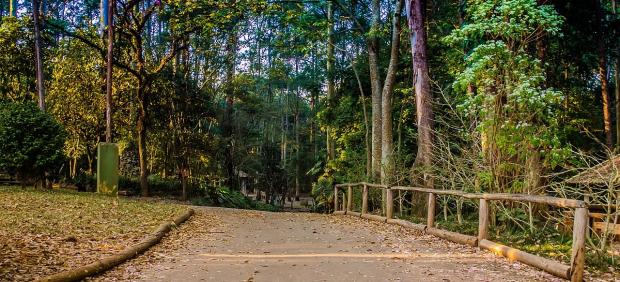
pixel 574 271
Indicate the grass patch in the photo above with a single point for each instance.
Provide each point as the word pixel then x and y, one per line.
pixel 548 242
pixel 545 242
pixel 46 231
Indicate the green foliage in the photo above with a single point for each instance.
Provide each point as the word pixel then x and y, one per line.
pixel 323 194
pixel 517 112
pixel 514 21
pixel 547 242
pixel 16 58
pixel 31 142
pixel 159 186
pixel 225 197
pixel 85 182
pixel 76 100
pixel 469 225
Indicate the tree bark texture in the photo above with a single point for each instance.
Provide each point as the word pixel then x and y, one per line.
pixel 386 99
pixel 38 56
pixel 108 79
pixel 373 61
pixel 231 54
pixel 602 73
pixel 331 148
pixel 421 84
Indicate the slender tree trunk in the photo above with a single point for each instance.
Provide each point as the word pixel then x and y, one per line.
pixel 297 141
pixel 617 84
pixel 108 95
pixel 366 124
pixel 386 107
pixel 617 95
pixel 373 61
pixel 297 169
pixel 13 8
pixel 141 128
pixel 602 72
pixel 331 148
pixel 231 53
pixel 38 56
pixel 184 173
pixel 421 84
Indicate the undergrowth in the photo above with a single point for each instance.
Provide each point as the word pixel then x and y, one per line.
pixel 225 197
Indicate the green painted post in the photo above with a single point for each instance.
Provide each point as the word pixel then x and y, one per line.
pixel 107 168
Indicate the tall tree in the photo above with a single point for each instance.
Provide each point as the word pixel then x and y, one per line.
pixel 602 72
pixel 416 10
pixel 37 49
pixel 231 55
pixel 331 148
pixel 13 8
pixel 110 62
pixel 375 82
pixel 617 81
pixel 386 100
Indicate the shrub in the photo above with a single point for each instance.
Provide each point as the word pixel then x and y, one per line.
pixel 224 197
pixel 31 141
pixel 323 194
pixel 85 182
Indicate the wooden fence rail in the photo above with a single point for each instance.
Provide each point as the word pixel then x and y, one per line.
pixel 574 271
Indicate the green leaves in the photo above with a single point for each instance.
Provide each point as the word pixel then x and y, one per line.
pixel 518 115
pixel 514 21
pixel 31 142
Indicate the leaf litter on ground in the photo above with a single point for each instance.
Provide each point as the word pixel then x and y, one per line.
pixel 43 232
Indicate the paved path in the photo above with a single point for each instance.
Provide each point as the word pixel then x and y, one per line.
pixel 260 246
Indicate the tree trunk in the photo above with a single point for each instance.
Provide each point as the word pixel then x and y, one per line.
pixel 421 84
pixel 184 173
pixel 331 148
pixel 13 8
pixel 37 49
pixel 231 54
pixel 617 84
pixel 373 62
pixel 602 73
pixel 108 82
pixel 366 125
pixel 141 128
pixel 298 144
pixel 386 107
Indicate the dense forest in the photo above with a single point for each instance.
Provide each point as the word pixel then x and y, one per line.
pixel 284 99
pixel 496 96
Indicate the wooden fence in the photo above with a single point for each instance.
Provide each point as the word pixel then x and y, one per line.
pixel 574 271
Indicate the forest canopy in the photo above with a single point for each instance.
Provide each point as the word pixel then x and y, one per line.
pixel 294 96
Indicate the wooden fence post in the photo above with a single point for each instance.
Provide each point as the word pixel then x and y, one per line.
pixel 578 257
pixel 349 198
pixel 483 220
pixel 430 220
pixel 389 205
pixel 365 199
pixel 335 198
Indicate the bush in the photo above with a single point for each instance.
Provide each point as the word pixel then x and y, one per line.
pixel 224 197
pixel 323 194
pixel 158 186
pixel 85 182
pixel 31 141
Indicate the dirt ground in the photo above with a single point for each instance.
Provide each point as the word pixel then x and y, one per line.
pixel 238 245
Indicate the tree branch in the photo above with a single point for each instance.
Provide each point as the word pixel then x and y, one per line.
pixel 91 44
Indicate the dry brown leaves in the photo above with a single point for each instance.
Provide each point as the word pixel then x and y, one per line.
pixel 43 232
pixel 199 229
